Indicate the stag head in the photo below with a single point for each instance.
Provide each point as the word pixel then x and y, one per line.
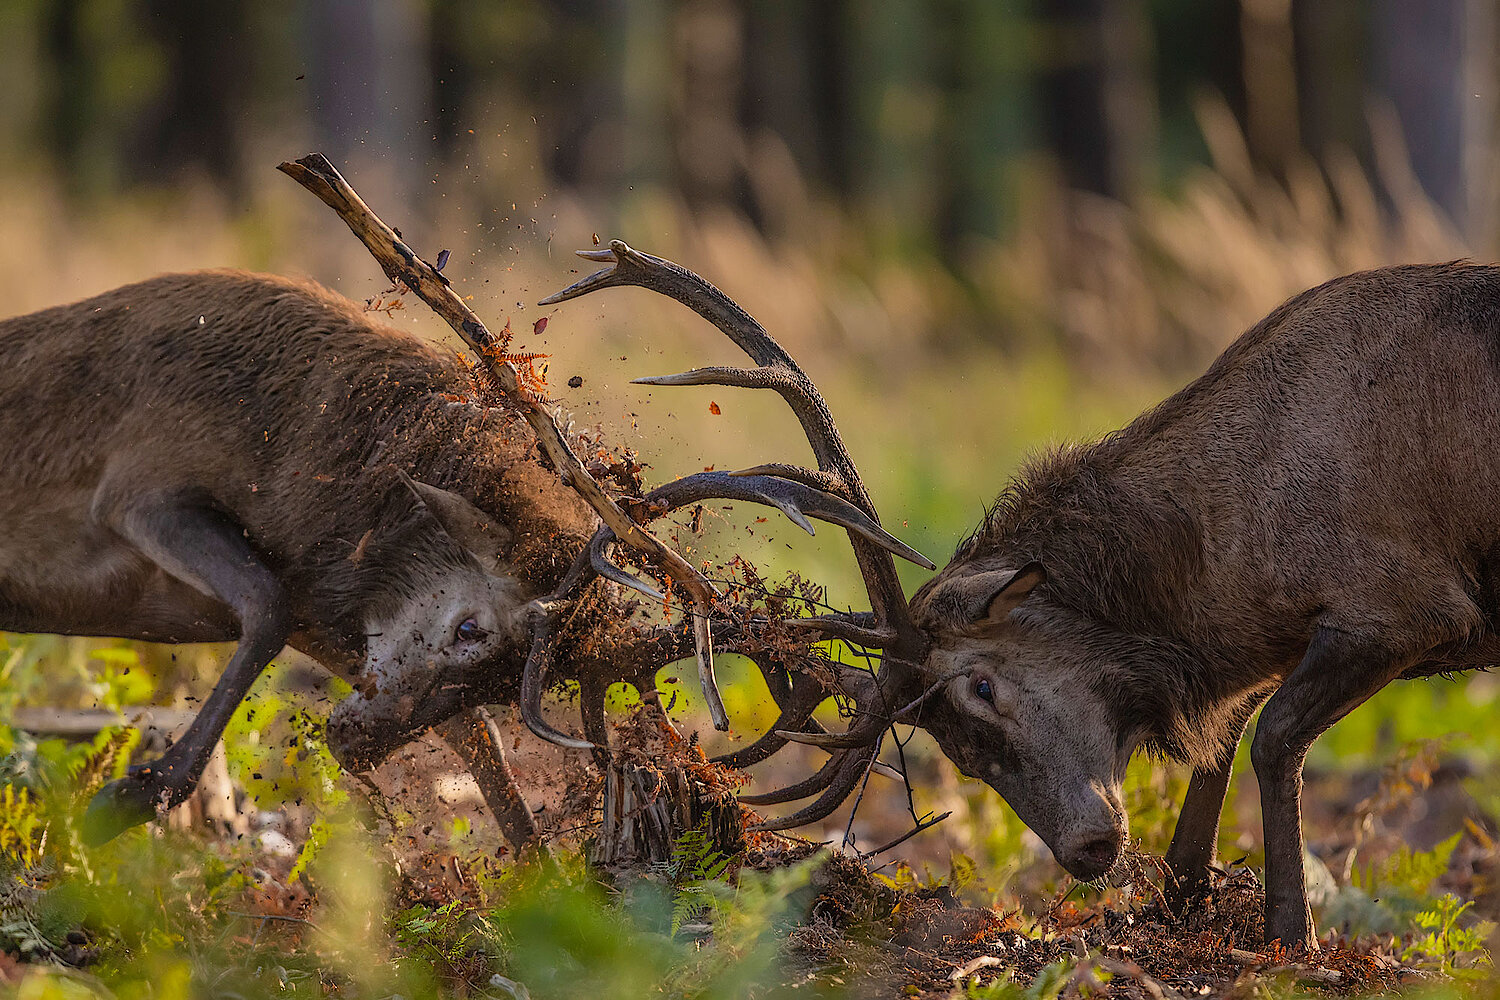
pixel 1009 709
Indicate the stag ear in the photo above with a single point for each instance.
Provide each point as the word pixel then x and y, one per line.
pixel 987 598
pixel 1015 588
pixel 481 535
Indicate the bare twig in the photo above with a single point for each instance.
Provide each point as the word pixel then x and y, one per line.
pixel 284 918
pixel 972 966
pixel 1157 989
pixel 924 825
pixel 1304 973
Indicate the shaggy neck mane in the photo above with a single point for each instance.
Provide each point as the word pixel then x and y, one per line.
pixel 413 426
pixel 1122 560
pixel 1112 550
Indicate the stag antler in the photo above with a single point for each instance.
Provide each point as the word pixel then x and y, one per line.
pixel 833 493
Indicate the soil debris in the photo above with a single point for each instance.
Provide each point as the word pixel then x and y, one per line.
pixel 885 941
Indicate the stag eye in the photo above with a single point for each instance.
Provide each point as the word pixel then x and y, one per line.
pixel 985 691
pixel 468 631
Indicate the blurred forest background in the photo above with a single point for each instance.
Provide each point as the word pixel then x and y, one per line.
pixel 920 116
pixel 982 225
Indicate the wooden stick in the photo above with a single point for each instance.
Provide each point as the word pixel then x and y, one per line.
pixel 404 267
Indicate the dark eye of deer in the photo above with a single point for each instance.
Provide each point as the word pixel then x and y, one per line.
pixel 984 691
pixel 469 630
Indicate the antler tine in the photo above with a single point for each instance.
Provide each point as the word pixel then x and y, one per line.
pixel 599 559
pixel 767 745
pixel 776 370
pixel 850 770
pixel 797 697
pixel 534 681
pixel 868 723
pixel 593 689
pixel 816 782
pixel 797 500
pixel 848 627
pixel 401 264
pixel 817 479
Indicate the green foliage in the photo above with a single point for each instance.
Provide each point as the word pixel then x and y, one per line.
pixel 1152 792
pixel 1048 985
pixel 695 873
pixel 20 916
pixel 46 784
pixel 962 871
pixel 268 719
pixel 1386 897
pixel 1455 949
pixel 21 825
pixel 1407 873
pixel 566 935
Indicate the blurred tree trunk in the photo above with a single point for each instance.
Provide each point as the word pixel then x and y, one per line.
pixel 985 75
pixel 896 110
pixel 369 85
pixel 1272 129
pixel 582 92
pixel 102 71
pixel 1097 105
pixel 646 89
pixel 1435 62
pixel 795 105
pixel 1331 39
pixel 205 94
pixel 709 141
pixel 796 85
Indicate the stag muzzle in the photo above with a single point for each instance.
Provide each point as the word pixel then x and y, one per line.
pixel 358 747
pixel 363 731
pixel 1086 832
pixel 1088 854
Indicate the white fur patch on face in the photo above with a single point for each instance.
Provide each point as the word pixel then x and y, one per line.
pixel 455 622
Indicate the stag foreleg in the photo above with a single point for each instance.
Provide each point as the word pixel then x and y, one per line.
pixel 1337 674
pixel 207 550
pixel 1197 831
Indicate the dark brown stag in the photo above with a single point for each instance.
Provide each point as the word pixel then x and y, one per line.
pixel 1313 518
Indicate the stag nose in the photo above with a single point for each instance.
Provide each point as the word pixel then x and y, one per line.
pixel 349 744
pixel 1091 854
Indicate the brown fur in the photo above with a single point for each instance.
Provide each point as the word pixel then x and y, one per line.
pixel 293 414
pixel 1338 465
pixel 286 406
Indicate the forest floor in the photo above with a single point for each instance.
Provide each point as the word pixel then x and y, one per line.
pixel 397 896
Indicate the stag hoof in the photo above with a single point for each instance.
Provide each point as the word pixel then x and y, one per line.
pixel 1291 933
pixel 122 804
pixel 1185 891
